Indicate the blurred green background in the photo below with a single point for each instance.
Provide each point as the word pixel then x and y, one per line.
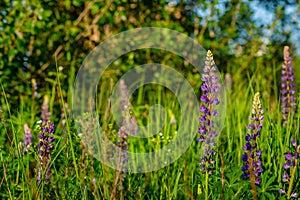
pixel 244 36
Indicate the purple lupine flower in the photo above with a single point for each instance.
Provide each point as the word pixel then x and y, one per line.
pixel 281 191
pixel 45 146
pixel 27 138
pixel 45 110
pixel 208 135
pixel 288 175
pixel 290 159
pixel 285 177
pixel 122 143
pixel 294 195
pixel 252 155
pixel 46 131
pixel 287 91
pixel 288 156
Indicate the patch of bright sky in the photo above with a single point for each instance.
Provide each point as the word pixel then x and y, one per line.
pixel 262 18
pixel 295 31
pixel 261 15
pixel 265 18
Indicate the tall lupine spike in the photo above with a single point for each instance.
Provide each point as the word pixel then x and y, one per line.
pixel 128 127
pixel 252 156
pixel 124 129
pixel 27 138
pixel 129 124
pixel 45 145
pixel 207 131
pixel 129 121
pixel 290 167
pixel 288 104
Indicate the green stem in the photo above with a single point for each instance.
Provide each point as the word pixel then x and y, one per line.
pixel 222 171
pixel 206 183
pixel 252 179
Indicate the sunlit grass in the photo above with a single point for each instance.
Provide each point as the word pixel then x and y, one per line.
pixel 77 175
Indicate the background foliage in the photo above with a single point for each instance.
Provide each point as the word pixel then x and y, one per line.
pixel 48 40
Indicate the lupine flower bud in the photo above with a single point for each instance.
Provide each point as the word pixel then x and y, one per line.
pixel 45 110
pixel 207 132
pixel 288 104
pixel 253 166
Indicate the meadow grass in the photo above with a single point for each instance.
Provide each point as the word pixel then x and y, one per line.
pixel 76 174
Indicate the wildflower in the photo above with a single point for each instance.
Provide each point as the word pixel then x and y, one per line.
pixel 122 142
pixel 46 131
pixel 253 166
pixel 128 127
pixel 294 195
pixel 287 91
pixel 285 177
pixel 281 191
pixel 45 146
pixel 129 121
pixel 288 175
pixel 206 130
pixel 27 138
pixel 129 124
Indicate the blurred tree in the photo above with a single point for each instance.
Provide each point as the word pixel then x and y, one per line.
pixel 34 34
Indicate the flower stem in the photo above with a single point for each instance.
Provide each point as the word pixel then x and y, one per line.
pixel 252 179
pixel 206 184
pixel 222 171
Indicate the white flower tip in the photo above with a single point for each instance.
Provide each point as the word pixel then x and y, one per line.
pixel 209 53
